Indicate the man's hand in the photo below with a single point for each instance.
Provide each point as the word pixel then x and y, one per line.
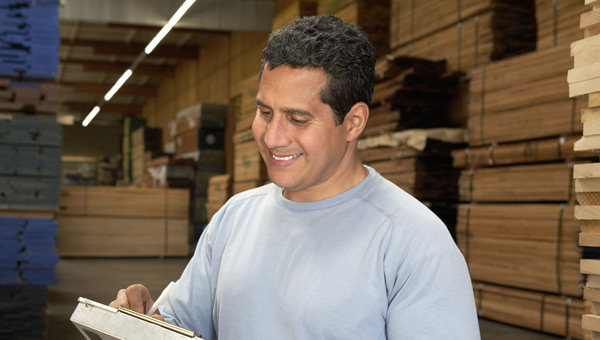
pixel 137 298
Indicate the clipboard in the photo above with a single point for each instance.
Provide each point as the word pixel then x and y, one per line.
pixel 97 321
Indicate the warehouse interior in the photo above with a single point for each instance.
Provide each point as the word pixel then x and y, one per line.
pixel 484 110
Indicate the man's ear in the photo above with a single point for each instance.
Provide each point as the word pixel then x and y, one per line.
pixel 356 120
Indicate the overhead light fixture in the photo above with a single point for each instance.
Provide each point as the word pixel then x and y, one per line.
pixel 174 19
pixel 161 34
pixel 118 85
pixel 91 115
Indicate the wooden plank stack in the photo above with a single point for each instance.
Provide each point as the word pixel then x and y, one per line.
pixel 373 16
pixel 408 138
pixel 285 13
pixel 466 33
pixel 249 170
pixel 219 191
pixel 558 22
pixel 516 224
pixel 535 310
pixel 123 221
pixel 30 36
pixel 583 80
pixel 144 143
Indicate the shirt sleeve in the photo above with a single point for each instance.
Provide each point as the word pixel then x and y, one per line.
pixel 431 295
pixel 189 304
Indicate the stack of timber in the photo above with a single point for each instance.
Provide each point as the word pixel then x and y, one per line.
pixel 584 81
pixel 249 170
pixel 558 22
pixel 219 191
pixel 123 221
pixel 530 246
pixel 30 161
pixel 286 13
pixel 30 166
pixel 408 138
pixel 522 98
pixel 535 310
pixel 130 124
pixel 411 93
pixel 144 142
pixel 373 16
pixel 29 38
pixel 466 33
pixel 199 134
pixel 39 97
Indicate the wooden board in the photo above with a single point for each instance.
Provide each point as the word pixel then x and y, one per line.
pixel 124 201
pixel 535 151
pixel 525 183
pixel 121 236
pixel 548 313
pixel 531 246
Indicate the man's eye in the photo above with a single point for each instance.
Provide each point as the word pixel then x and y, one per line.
pixel 265 113
pixel 298 121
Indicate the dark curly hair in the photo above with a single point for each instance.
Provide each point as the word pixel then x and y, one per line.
pixel 342 50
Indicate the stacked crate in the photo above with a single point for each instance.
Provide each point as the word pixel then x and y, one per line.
pixel 30 162
pixel 286 12
pixel 409 136
pixel 516 227
pixel 466 33
pixel 584 83
pixel 219 191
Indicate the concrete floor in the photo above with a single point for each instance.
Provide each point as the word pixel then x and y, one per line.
pixel 100 279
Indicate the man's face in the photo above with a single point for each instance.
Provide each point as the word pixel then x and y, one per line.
pixel 305 152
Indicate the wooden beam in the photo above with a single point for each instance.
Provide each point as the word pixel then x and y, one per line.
pixel 133 90
pixel 133 49
pixel 119 67
pixel 125 110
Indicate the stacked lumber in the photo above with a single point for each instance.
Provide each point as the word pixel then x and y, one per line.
pixel 373 16
pixel 583 80
pixel 535 310
pixel 130 124
pixel 466 33
pixel 144 141
pixel 285 14
pixel 558 22
pixel 530 246
pixel 525 152
pixel 524 97
pixel 30 166
pixel 123 221
pixel 219 191
pixel 30 39
pixel 548 182
pixel 38 97
pixel 249 170
pixel 408 138
pixel 411 93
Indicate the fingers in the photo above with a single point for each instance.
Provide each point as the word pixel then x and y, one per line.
pixel 136 297
pixel 121 299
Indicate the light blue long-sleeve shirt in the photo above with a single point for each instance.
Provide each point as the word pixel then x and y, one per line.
pixel 370 263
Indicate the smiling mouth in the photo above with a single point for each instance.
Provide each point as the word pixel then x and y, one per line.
pixel 286 158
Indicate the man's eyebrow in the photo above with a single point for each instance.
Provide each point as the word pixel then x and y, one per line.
pixel 300 112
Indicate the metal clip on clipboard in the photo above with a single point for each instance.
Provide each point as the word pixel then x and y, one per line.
pixel 97 321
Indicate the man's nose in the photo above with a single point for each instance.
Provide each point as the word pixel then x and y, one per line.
pixel 277 133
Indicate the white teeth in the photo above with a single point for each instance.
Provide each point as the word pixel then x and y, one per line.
pixel 287 158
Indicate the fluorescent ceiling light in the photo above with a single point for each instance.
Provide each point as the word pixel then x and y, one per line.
pixel 91 115
pixel 118 85
pixel 174 19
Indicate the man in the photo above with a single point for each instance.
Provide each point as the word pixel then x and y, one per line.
pixel 330 249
